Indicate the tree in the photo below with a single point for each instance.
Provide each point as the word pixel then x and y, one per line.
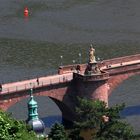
pixel 11 129
pixel 103 121
pixel 58 132
pixel 75 134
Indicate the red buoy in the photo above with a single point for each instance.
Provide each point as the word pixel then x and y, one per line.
pixel 26 12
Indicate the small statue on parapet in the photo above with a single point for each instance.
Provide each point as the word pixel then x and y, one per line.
pixel 92 67
pixel 92 55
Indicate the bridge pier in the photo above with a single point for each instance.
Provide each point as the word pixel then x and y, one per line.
pixel 92 86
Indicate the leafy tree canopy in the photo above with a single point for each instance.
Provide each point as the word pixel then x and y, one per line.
pixel 11 129
pixel 105 122
pixel 58 132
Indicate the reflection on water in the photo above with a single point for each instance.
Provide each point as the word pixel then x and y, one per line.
pixel 131 115
pixel 50 120
pixel 131 111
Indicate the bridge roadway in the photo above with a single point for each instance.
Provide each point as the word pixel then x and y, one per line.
pixel 32 83
pixel 54 79
pixel 120 64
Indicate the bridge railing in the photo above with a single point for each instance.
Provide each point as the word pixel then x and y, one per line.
pixel 32 83
pixel 105 64
pixel 120 60
pixel 92 77
pixel 71 68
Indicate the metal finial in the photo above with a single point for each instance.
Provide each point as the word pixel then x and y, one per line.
pixel 31 92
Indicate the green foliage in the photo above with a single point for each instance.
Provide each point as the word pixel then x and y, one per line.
pixel 92 114
pixel 58 132
pixel 114 131
pixel 89 113
pixel 75 134
pixel 11 129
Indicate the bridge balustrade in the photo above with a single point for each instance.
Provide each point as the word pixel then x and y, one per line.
pixel 120 60
pixel 71 68
pixel 92 77
pixel 44 81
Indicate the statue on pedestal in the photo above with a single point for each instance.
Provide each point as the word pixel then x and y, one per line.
pixel 92 67
pixel 92 55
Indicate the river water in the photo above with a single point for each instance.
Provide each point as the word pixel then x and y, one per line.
pixel 31 47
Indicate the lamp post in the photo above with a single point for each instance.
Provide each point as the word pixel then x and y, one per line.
pixel 73 61
pixel 79 58
pixel 61 57
pixel 98 58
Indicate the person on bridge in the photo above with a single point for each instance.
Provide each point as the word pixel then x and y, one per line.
pixel 37 80
pixel 0 87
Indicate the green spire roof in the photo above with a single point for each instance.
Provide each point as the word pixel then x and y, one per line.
pixel 32 102
pixel 32 108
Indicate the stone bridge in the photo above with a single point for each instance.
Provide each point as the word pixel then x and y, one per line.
pixel 71 81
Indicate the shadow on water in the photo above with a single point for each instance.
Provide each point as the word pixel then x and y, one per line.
pixel 50 120
pixel 130 111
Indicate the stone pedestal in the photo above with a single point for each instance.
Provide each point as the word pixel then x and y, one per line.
pixel 92 85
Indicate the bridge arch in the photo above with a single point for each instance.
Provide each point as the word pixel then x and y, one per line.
pixel 48 108
pixel 67 113
pixel 128 92
pixel 116 80
pixel 124 91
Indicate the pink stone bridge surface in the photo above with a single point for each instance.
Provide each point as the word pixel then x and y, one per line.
pixel 32 83
pixel 63 87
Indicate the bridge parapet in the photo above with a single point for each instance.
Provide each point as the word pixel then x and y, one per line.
pixel 105 64
pixel 120 60
pixel 32 83
pixel 71 68
pixel 93 77
pixel 134 67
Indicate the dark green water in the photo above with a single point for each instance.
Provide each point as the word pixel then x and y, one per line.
pixel 32 46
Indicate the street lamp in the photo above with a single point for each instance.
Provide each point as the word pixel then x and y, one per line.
pixel 61 57
pixel 98 58
pixel 73 61
pixel 79 58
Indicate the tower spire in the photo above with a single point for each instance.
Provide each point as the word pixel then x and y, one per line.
pixel 33 120
pixel 32 107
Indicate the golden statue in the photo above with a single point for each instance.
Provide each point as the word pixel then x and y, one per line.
pixel 91 54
